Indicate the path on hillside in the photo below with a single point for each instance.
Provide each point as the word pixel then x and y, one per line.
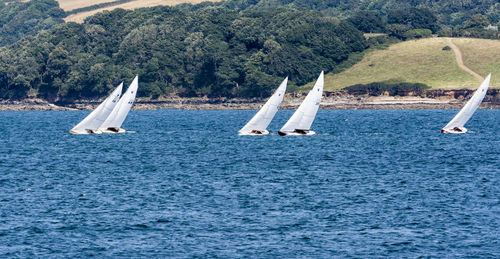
pixel 460 61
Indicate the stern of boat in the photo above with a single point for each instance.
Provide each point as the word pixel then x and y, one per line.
pixel 85 132
pixel 456 130
pixel 253 133
pixel 113 130
pixel 297 133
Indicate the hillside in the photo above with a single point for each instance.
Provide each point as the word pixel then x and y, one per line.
pixel 20 19
pixel 448 12
pixel 424 61
pixel 69 5
pixel 205 51
pixel 482 56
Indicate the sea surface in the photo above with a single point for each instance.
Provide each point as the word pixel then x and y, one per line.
pixel 371 183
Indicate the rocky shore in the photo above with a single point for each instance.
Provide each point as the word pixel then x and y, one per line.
pixel 432 99
pixel 31 105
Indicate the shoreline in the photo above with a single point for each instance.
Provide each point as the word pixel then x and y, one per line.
pixel 340 100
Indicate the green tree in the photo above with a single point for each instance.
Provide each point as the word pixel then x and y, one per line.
pixel 20 19
pixel 414 18
pixel 417 34
pixel 368 21
pixel 205 51
pixel 397 30
pixel 477 21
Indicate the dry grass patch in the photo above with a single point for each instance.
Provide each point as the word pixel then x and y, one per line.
pixel 374 35
pixel 79 17
pixel 68 5
pixel 416 61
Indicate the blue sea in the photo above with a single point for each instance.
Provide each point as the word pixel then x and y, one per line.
pixel 371 183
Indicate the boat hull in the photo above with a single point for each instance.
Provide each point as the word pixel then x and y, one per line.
pixel 297 133
pixel 253 133
pixel 112 130
pixel 455 130
pixel 85 132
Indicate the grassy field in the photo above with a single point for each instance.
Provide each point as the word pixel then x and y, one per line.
pixel 79 17
pixel 480 55
pixel 424 61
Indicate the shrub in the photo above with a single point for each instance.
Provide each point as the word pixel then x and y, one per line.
pixel 397 30
pixel 418 34
pixel 445 33
pixel 378 88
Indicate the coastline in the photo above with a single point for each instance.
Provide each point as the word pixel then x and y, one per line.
pixel 340 100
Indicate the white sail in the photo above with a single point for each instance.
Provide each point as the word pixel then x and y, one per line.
pixel 119 113
pixel 303 118
pixel 470 107
pixel 94 120
pixel 265 115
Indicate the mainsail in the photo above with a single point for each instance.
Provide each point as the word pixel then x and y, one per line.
pixel 94 120
pixel 264 116
pixel 303 118
pixel 470 107
pixel 119 113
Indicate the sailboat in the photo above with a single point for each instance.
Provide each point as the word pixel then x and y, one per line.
pixel 91 123
pixel 301 121
pixel 113 123
pixel 259 122
pixel 456 125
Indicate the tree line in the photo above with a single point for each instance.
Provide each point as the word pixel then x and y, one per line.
pixel 232 48
pixel 403 19
pixel 187 51
pixel 420 23
pixel 449 13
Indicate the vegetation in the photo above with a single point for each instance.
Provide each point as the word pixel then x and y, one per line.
pixel 482 56
pixel 423 61
pixel 68 5
pixel 240 47
pixel 96 6
pixel 368 21
pixel 378 88
pixel 396 17
pixel 478 26
pixel 18 19
pixel 449 13
pixel 85 10
pixel 188 51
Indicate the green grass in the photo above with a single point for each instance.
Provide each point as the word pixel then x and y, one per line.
pixel 481 55
pixel 423 61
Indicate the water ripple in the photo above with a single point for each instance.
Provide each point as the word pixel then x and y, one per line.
pixel 370 184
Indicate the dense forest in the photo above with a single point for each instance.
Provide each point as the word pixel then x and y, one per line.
pixel 212 51
pixel 402 19
pixel 19 19
pixel 448 12
pixel 233 48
